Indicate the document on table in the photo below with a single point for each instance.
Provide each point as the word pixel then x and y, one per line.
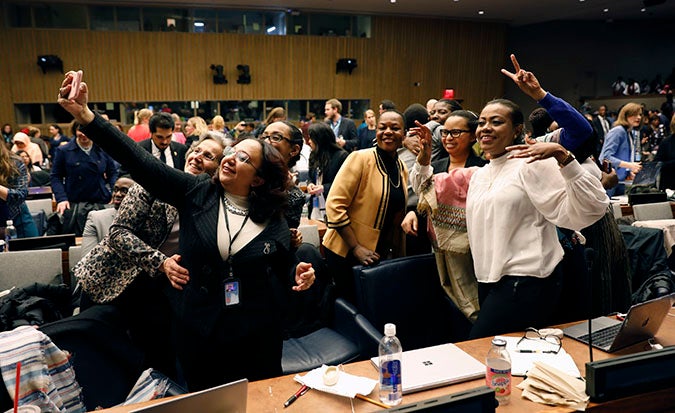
pixel 522 362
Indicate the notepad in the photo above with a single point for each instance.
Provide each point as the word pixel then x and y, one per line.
pixel 521 363
pixel 436 366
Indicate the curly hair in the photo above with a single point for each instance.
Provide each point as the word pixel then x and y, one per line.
pixel 269 199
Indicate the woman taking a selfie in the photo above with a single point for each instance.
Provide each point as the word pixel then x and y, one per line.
pixel 233 243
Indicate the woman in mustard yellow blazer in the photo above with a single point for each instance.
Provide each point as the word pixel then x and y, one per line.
pixel 366 205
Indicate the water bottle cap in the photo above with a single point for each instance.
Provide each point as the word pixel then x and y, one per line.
pixel 10 222
pixel 390 329
pixel 499 342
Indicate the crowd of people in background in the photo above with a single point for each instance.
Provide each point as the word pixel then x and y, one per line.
pixel 631 86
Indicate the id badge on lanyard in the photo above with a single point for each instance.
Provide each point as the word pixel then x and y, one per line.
pixel 232 292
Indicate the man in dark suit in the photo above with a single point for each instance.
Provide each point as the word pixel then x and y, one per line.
pixel 160 144
pixel 602 124
pixel 343 128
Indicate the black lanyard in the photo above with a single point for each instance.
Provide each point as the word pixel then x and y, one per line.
pixel 232 238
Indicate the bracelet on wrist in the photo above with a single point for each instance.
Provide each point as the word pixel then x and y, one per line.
pixel 567 160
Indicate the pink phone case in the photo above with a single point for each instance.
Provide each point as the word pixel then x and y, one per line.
pixel 75 90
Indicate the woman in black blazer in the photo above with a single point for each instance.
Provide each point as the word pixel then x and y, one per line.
pixel 228 300
pixel 324 161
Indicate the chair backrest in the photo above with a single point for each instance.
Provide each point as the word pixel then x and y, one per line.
pixel 37 205
pixel 407 292
pixel 21 268
pixel 74 255
pixel 616 210
pixel 310 234
pixel 657 210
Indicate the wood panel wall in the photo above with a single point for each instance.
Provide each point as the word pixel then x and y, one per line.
pixel 135 66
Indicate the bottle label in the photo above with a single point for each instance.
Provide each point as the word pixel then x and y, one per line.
pixel 391 374
pixel 499 380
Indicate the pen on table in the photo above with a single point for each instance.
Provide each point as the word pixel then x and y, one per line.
pixel 369 400
pixel 302 391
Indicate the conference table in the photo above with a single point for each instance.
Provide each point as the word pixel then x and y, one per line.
pixel 269 395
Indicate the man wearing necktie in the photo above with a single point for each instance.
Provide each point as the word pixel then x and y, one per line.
pixel 602 125
pixel 161 144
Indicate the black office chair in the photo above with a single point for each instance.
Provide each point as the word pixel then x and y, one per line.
pixel 407 292
pixel 334 344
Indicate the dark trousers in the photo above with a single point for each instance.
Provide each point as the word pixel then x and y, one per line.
pixel 311 309
pixel 341 271
pixel 146 315
pixel 225 355
pixel 515 303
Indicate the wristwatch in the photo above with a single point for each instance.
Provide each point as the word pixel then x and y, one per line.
pixel 568 159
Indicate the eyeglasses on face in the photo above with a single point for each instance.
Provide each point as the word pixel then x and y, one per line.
pixel 274 137
pixel 206 155
pixel 240 156
pixel 535 342
pixel 454 133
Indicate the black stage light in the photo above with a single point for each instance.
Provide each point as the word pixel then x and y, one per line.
pixel 244 74
pixel 345 65
pixel 47 62
pixel 219 77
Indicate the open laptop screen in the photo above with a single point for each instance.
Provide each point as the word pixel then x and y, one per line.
pixel 63 241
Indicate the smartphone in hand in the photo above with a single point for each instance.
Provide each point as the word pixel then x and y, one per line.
pixel 606 166
pixel 75 85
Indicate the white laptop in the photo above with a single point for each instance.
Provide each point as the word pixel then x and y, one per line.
pixel 436 366
pixel 227 398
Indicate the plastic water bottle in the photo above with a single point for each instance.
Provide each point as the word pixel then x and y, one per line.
pixel 498 371
pixel 10 233
pixel 390 355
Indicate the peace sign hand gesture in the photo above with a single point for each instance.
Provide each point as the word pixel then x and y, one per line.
pixel 526 81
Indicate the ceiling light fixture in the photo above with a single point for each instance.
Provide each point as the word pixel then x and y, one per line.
pixel 393 1
pixel 643 10
pixel 271 29
pixel 481 12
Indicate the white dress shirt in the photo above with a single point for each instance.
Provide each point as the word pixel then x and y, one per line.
pixel 167 153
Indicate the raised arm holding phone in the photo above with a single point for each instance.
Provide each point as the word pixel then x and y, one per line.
pixel 234 243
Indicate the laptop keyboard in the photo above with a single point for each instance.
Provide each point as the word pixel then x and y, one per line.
pixel 603 337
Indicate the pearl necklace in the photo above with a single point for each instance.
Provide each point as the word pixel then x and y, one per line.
pixel 233 208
